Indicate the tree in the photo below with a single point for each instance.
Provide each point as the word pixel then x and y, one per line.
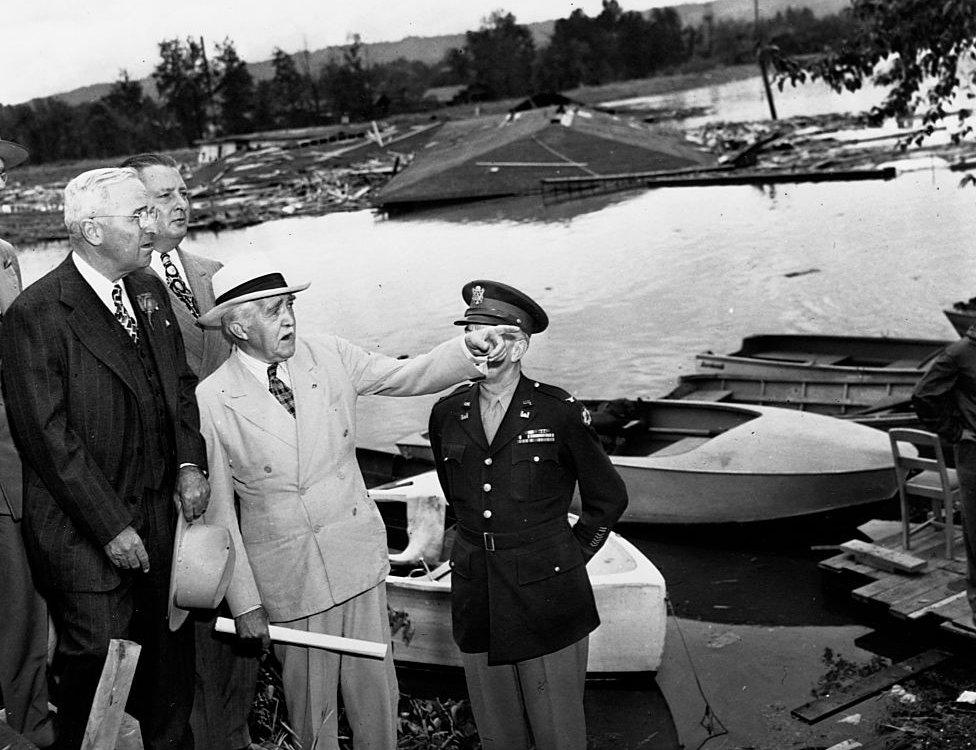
pixel 291 90
pixel 183 80
pixel 922 50
pixel 348 83
pixel 501 55
pixel 234 88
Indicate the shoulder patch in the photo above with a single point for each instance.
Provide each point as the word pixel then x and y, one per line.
pixel 553 391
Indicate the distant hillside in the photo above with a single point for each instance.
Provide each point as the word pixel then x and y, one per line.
pixel 431 49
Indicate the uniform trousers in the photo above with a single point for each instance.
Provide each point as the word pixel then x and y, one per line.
pixel 226 679
pixel 312 677
pixel 23 640
pixel 966 472
pixel 533 703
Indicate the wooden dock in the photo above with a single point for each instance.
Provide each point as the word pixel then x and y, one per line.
pixel 934 594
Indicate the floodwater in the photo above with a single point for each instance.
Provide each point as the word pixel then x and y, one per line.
pixel 635 285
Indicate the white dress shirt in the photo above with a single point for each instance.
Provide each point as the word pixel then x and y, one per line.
pixel 102 287
pixel 259 369
pixel 156 264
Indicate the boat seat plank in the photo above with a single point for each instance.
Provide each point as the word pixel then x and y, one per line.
pixel 903 364
pixel 801 357
pixel 681 446
pixel 869 591
pixel 864 688
pixel 937 607
pixel 708 395
pixel 883 558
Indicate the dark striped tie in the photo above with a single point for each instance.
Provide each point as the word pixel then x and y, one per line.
pixel 122 315
pixel 179 287
pixel 279 390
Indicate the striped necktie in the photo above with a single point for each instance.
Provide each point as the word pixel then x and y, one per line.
pixel 178 286
pixel 122 315
pixel 279 390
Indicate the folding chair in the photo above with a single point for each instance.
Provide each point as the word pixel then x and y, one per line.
pixel 934 481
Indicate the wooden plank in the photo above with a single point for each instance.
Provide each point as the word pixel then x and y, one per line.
pixel 942 586
pixel 894 741
pixel 846 564
pixel 938 605
pixel 883 558
pixel 957 610
pixel 864 688
pixel 871 591
pixel 102 731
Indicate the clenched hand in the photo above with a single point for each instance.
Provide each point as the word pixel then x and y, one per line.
pixel 254 624
pixel 192 491
pixel 127 550
pixel 489 341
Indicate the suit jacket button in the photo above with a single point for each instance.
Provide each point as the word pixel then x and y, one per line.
pixel 535 458
pixel 487 487
pixel 556 569
pixel 487 514
pixel 267 469
pixel 318 527
pixel 302 491
pixel 487 462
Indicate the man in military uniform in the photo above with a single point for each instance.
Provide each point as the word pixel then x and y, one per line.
pixel 509 453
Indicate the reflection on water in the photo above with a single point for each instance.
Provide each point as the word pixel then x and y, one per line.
pixel 635 285
pixel 745 101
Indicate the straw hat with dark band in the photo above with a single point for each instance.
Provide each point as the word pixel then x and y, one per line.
pixel 243 280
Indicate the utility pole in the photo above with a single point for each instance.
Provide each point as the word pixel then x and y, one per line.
pixel 761 57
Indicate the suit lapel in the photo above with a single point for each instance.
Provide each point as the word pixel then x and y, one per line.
pixel 198 277
pixel 470 417
pixel 92 322
pixel 245 396
pixel 311 403
pixel 517 417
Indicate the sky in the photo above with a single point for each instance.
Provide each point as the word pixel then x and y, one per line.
pixel 51 46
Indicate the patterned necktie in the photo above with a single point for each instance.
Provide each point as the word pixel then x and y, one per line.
pixel 179 287
pixel 492 418
pixel 279 390
pixel 122 315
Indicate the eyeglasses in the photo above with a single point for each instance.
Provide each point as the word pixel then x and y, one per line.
pixel 144 215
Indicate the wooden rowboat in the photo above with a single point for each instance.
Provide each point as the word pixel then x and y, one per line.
pixel 874 404
pixel 810 358
pixel 629 590
pixel 693 462
pixel 962 316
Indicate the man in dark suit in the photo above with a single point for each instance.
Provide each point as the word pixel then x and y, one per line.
pixel 509 453
pixel 226 673
pixel 23 626
pixel 101 404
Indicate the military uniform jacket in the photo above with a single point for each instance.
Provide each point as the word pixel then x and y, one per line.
pixel 522 590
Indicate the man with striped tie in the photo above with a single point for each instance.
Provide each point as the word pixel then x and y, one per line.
pixel 100 400
pixel 226 673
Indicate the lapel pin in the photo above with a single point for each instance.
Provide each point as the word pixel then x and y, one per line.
pixel 525 414
pixel 464 416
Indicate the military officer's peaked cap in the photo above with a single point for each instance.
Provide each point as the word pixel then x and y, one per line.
pixel 493 303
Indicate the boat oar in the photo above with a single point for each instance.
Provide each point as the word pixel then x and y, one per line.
pixel 294 637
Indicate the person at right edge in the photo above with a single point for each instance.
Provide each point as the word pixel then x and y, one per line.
pixel 509 452
pixel 945 402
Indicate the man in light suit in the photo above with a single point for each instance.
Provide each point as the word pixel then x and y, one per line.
pixel 279 418
pixel 102 409
pixel 23 627
pixel 226 672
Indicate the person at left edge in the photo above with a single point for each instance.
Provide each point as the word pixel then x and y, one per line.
pixel 279 417
pixel 226 671
pixel 102 409
pixel 23 627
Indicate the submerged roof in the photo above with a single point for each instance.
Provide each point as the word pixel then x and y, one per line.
pixel 510 154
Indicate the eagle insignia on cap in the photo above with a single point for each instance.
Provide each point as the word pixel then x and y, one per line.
pixel 587 419
pixel 477 295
